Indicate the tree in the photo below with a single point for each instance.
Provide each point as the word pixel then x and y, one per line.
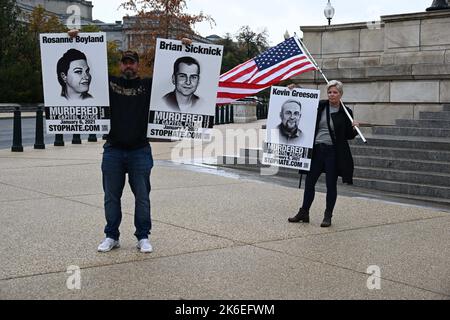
pixel 18 78
pixel 112 50
pixel 249 44
pixel 232 56
pixel 160 18
pixel 40 21
pixel 254 43
pixel 90 28
pixel 114 56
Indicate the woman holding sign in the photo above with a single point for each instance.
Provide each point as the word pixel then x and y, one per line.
pixel 331 153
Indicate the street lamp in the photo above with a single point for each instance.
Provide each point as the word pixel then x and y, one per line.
pixel 438 5
pixel 329 12
pixel 286 35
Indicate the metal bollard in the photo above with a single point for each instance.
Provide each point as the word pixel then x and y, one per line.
pixel 222 115
pixel 76 139
pixel 92 138
pixel 227 113
pixel 231 113
pixel 17 131
pixel 59 140
pixel 216 118
pixel 39 139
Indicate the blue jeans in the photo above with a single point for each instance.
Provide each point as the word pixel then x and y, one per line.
pixel 115 165
pixel 324 160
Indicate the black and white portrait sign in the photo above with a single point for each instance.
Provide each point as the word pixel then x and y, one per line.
pixel 291 127
pixel 184 90
pixel 75 79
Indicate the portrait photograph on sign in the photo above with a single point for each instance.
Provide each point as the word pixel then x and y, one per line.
pixel 290 127
pixel 184 90
pixel 75 80
pixel 74 70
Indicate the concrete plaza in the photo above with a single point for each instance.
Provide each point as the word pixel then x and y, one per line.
pixel 215 236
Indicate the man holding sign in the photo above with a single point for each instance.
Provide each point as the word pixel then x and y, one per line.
pixel 127 151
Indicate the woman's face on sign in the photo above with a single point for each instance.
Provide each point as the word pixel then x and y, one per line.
pixel 78 76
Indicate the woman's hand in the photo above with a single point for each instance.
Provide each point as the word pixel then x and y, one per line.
pixel 292 86
pixel 355 124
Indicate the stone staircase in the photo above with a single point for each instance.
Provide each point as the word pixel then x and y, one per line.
pixel 410 159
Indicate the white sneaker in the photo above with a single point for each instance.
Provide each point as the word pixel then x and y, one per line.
pixel 108 244
pixel 144 245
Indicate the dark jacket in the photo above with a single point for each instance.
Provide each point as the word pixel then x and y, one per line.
pixel 129 106
pixel 343 131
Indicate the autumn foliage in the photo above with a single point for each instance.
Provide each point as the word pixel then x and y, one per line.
pixel 158 19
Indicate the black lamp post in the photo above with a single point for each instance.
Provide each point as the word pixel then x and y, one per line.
pixel 329 12
pixel 438 5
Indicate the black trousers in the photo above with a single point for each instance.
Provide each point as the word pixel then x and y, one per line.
pixel 324 161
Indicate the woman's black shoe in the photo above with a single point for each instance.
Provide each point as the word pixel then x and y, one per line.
pixel 327 219
pixel 302 216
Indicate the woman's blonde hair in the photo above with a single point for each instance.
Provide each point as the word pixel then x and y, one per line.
pixel 339 86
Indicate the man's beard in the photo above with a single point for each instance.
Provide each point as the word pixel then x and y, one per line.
pixel 129 74
pixel 294 128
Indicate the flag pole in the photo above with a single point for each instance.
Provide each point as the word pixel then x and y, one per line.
pixel 323 75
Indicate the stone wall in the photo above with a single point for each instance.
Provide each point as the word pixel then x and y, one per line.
pixel 390 69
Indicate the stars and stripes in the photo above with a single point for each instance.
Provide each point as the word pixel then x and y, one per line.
pixel 279 63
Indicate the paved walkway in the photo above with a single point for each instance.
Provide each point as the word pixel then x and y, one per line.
pixel 216 236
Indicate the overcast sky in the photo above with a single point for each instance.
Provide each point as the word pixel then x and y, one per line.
pixel 276 16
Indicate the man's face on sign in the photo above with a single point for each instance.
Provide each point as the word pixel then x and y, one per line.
pixel 186 80
pixel 290 115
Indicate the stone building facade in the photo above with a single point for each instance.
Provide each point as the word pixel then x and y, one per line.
pixel 60 7
pixel 391 69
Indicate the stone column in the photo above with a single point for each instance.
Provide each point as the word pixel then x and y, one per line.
pixel 244 111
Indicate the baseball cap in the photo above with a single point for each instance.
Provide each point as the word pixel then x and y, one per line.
pixel 132 55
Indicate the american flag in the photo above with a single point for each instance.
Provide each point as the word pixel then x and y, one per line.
pixel 281 62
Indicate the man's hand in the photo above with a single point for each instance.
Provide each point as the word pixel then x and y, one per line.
pixel 73 33
pixel 186 41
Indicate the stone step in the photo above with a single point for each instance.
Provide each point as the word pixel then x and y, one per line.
pixel 426 176
pixel 430 115
pixel 443 124
pixel 404 142
pixel 385 157
pixel 254 165
pixel 411 189
pixel 404 188
pixel 409 131
pixel 417 177
pixel 446 107
pixel 237 161
pixel 402 164
pixel 401 153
